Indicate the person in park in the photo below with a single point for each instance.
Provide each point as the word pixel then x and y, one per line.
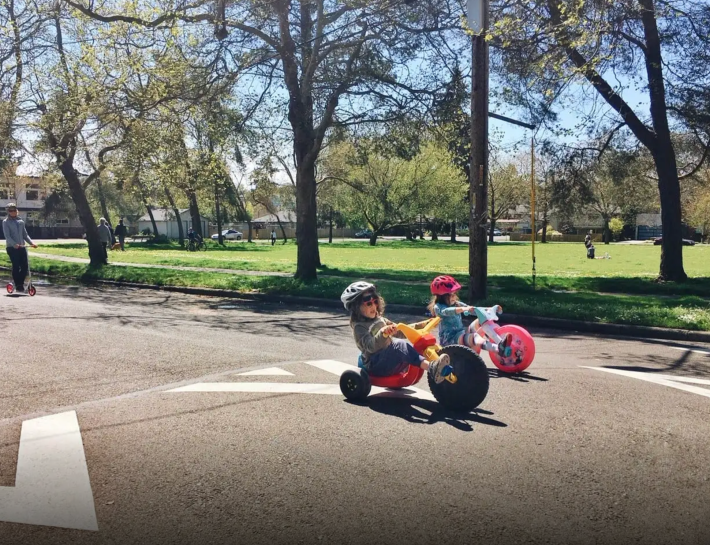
pixel 383 355
pixel 273 236
pixel 121 232
pixel 589 246
pixel 105 237
pixel 15 237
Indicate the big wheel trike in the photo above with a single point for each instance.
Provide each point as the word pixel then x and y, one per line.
pixel 521 351
pixel 464 389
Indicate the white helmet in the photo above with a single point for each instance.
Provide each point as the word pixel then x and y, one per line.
pixel 353 290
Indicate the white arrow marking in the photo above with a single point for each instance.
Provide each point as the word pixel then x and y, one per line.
pixel 664 380
pixel 272 371
pixel 331 366
pixel 52 486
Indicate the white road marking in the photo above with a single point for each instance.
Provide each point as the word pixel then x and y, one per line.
pixel 704 352
pixel 52 486
pixel 271 371
pixel 664 380
pixel 331 366
pixel 296 388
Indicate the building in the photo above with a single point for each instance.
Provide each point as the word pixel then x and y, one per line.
pixel 29 194
pixel 167 224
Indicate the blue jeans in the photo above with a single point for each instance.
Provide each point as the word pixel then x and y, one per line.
pixel 396 358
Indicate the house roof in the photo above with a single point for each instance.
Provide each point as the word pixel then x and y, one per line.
pixel 163 214
pixel 287 216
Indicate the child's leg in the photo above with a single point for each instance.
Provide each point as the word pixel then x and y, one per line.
pixel 395 359
pixel 483 342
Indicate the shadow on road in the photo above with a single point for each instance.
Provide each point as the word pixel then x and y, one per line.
pixel 688 363
pixel 133 308
pixel 422 411
pixel 517 377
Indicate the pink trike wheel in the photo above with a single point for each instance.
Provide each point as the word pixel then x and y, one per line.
pixel 523 350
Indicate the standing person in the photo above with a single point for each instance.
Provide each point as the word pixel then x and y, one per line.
pixel 588 240
pixel 273 236
pixel 121 232
pixel 104 237
pixel 15 237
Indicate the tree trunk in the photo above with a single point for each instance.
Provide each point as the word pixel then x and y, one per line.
pixel 283 231
pixel 330 229
pixel 194 212
pixel 478 182
pixel 249 235
pixel 220 238
pixel 181 231
pixel 453 231
pixel 308 257
pixel 544 229
pixel 492 195
pixel 607 233
pixel 663 153
pixel 434 234
pixel 102 201
pixel 373 238
pixel 671 218
pixel 152 218
pixel 86 216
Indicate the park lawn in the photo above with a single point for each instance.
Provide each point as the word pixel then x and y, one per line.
pixel 559 266
pixel 686 312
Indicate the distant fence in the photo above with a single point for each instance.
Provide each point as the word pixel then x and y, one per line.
pixel 521 237
pixel 291 233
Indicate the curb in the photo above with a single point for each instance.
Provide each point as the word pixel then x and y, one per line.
pixel 621 330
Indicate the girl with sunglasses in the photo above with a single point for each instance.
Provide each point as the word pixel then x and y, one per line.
pixel 383 355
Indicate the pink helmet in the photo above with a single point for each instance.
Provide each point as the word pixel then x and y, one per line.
pixel 444 284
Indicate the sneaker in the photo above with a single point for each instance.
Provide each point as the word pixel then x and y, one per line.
pixel 440 368
pixel 504 349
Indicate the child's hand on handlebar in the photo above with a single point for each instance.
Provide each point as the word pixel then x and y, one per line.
pixel 389 330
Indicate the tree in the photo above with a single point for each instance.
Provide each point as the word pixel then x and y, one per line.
pixel 332 54
pixel 608 185
pixel 616 226
pixel 545 46
pixel 506 189
pixel 386 191
pixel 266 191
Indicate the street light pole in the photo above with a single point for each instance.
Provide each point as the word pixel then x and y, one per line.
pixel 478 182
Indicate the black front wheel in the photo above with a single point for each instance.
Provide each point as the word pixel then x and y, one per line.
pixel 471 387
pixel 355 385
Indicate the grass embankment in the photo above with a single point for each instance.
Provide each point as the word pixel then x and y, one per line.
pixel 643 302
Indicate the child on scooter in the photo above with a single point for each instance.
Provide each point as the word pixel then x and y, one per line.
pixel 383 355
pixel 446 305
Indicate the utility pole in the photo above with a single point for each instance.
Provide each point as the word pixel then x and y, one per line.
pixel 478 183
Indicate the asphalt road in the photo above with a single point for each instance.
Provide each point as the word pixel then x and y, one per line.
pixel 565 454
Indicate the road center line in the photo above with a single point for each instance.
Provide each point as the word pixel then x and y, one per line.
pixel 664 380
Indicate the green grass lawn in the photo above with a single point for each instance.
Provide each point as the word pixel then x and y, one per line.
pixel 561 266
pixel 568 285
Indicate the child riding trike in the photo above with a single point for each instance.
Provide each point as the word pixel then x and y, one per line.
pixel 464 388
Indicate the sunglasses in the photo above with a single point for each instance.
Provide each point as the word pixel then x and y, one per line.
pixel 369 299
